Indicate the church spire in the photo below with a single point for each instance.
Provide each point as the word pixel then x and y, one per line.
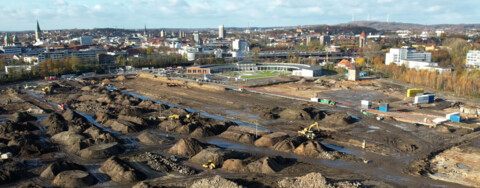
pixel 145 30
pixel 38 34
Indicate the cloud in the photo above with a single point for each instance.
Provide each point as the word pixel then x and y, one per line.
pixel 434 8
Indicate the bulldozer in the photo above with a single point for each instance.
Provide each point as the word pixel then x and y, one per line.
pixel 209 165
pixel 47 90
pixel 174 116
pixel 308 132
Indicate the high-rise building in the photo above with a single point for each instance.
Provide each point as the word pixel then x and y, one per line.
pixel 162 33
pixel 38 34
pixel 240 45
pixel 196 38
pixel 473 59
pixel 221 32
pixel 86 40
pixel 324 40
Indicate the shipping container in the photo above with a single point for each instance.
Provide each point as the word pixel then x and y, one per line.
pixel 315 99
pixel 421 99
pixel 385 105
pixel 365 102
pixel 413 92
pixel 452 114
pixel 431 98
pixel 455 118
pixel 383 109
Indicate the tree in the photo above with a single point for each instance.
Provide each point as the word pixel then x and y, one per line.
pixel 360 61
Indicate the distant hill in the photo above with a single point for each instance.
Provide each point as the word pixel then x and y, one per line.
pixel 392 26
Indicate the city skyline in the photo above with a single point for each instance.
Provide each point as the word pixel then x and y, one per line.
pixel 133 14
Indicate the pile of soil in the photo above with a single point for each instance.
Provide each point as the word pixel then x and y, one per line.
pixel 295 114
pixel 120 171
pixel 101 151
pixel 216 155
pixel 289 144
pixel 99 136
pixel 55 123
pixel 186 147
pixel 311 149
pixel 122 126
pixel 77 123
pixel 103 117
pixel 67 138
pixel 233 165
pixel 22 117
pixel 162 164
pixel 271 139
pixel 149 138
pixel 144 184
pixel 266 165
pixel 134 119
pixel 10 171
pixel 10 127
pixel 120 78
pixel 74 178
pixel 59 166
pixel 237 136
pixel 249 130
pixel 338 119
pixel 216 181
pixel 314 180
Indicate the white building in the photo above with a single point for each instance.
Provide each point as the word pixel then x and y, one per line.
pixel 221 32
pixel 403 33
pixel 410 57
pixel 473 59
pixel 240 45
pixel 86 40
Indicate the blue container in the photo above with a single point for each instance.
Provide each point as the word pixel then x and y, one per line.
pixel 363 74
pixel 346 74
pixel 455 118
pixel 431 98
pixel 383 109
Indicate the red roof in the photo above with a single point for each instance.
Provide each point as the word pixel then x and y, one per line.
pixel 345 63
pixel 363 34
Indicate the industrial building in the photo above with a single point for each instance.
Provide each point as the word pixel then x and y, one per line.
pixel 302 70
pixel 409 57
pixel 473 59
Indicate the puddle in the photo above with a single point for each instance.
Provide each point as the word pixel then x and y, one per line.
pixel 373 127
pixel 354 117
pixel 341 149
pixel 231 112
pixel 401 127
pixel 41 118
pixel 201 113
pixel 462 166
pixel 94 170
pixel 3 120
pixel 370 131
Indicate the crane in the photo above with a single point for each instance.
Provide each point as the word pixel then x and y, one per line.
pixel 308 131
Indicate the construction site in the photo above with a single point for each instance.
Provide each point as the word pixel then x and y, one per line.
pixel 145 130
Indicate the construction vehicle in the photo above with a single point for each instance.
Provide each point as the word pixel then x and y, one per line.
pixel 4 156
pixel 209 164
pixel 308 132
pixel 155 117
pixel 329 102
pixel 174 116
pixel 47 90
pixel 188 116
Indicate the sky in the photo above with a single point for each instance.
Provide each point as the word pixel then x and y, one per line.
pixel 20 15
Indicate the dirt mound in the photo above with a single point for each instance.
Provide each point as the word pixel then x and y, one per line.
pixel 103 117
pixel 201 132
pixel 134 119
pixel 74 178
pixel 100 136
pixel 148 104
pixel 10 171
pixel 186 147
pixel 149 138
pixel 178 111
pixel 22 117
pixel 55 123
pixel 67 138
pixel 120 171
pixel 59 166
pixel 266 165
pixel 314 180
pixel 245 138
pixel 9 127
pixel 271 139
pixel 144 185
pixel 233 165
pixel 122 126
pixel 101 151
pixel 443 129
pixel 216 155
pixel 162 164
pixel 289 144
pixel 120 78
pixel 250 130
pixel 216 181
pixel 77 123
pixel 339 119
pixel 295 114
pixel 131 112
pixel 311 149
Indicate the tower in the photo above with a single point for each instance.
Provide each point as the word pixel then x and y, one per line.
pixel 145 31
pixel 38 35
pixel 221 32
pixel 362 40
pixel 5 42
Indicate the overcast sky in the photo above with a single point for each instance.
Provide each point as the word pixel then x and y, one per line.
pixel 17 15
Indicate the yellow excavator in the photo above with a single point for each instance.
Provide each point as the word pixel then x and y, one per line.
pixel 174 116
pixel 308 132
pixel 47 90
pixel 209 164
